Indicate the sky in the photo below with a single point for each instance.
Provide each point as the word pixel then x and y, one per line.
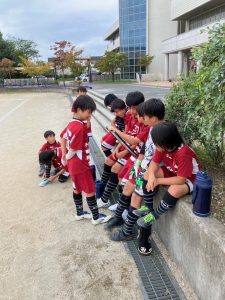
pixel 82 22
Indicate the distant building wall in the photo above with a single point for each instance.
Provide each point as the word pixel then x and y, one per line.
pixel 160 27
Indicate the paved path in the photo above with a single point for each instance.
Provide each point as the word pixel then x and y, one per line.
pixel 121 90
pixel 45 254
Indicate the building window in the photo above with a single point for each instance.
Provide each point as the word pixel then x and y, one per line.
pixel 132 19
pixel 214 15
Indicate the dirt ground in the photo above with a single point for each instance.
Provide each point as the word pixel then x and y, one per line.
pixel 44 253
pixel 218 193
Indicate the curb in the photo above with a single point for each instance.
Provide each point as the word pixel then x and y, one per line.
pixel 197 245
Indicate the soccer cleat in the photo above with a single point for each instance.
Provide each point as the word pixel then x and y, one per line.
pixel 119 236
pixel 114 222
pixel 145 250
pixel 102 204
pixel 141 212
pixel 44 182
pixel 62 178
pixel 146 221
pixel 113 207
pixel 85 215
pixel 102 218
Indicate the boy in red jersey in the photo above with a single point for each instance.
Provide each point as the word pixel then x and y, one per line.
pixel 116 161
pixel 53 158
pixel 118 107
pixel 180 166
pixel 50 144
pixel 75 136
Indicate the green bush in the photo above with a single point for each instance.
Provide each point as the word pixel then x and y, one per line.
pixel 197 104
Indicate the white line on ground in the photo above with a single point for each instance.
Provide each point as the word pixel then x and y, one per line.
pixel 5 116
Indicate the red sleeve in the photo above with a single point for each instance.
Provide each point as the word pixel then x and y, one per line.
pixel 58 145
pixel 62 134
pixel 157 157
pixel 143 135
pixel 44 147
pixel 127 117
pixel 76 137
pixel 185 166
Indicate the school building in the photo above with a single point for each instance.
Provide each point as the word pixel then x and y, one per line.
pixel 165 29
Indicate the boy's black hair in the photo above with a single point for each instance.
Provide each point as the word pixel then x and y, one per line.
pixel 134 98
pixel 153 108
pixel 117 104
pixel 84 102
pixel 46 157
pixel 109 99
pixel 166 136
pixel 49 133
pixel 140 110
pixel 81 89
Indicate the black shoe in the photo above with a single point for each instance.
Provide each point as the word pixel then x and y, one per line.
pixel 144 243
pixel 118 236
pixel 114 222
pixel 62 178
pixel 145 249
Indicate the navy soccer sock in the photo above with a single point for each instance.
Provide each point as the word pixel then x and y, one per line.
pixel 168 202
pixel 123 203
pixel 106 174
pixel 92 204
pixel 77 198
pixel 129 222
pixel 111 185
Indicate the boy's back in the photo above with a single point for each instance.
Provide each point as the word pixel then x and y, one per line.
pixel 76 135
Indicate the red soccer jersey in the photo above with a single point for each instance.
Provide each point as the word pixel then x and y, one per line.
pixel 76 135
pixel 48 146
pixel 57 161
pixel 133 127
pixel 182 162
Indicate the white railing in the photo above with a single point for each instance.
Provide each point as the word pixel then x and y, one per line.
pixel 187 40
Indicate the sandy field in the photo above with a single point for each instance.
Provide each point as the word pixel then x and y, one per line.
pixel 44 253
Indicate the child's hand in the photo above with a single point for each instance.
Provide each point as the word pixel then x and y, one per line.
pixel 114 154
pixel 112 128
pixel 152 182
pixel 51 178
pixel 63 160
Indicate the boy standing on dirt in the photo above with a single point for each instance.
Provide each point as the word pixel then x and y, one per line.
pixel 74 136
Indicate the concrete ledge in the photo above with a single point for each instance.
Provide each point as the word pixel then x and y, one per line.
pixel 197 245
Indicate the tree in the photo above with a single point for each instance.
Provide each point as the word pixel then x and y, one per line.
pixel 24 48
pixel 65 55
pixel 197 104
pixel 7 50
pixel 111 62
pixel 6 66
pixel 145 60
pixel 72 62
pixel 34 69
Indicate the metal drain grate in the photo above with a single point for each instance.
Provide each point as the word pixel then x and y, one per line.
pixel 157 279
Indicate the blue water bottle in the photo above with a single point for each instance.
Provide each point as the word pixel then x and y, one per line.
pixel 99 188
pixel 202 194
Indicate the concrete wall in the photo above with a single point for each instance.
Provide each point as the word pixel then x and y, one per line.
pixel 159 28
pixel 181 7
pixel 197 245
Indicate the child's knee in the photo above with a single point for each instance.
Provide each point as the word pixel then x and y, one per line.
pixel 128 188
pixel 136 201
pixel 169 200
pixel 178 191
pixel 109 162
pixel 116 168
